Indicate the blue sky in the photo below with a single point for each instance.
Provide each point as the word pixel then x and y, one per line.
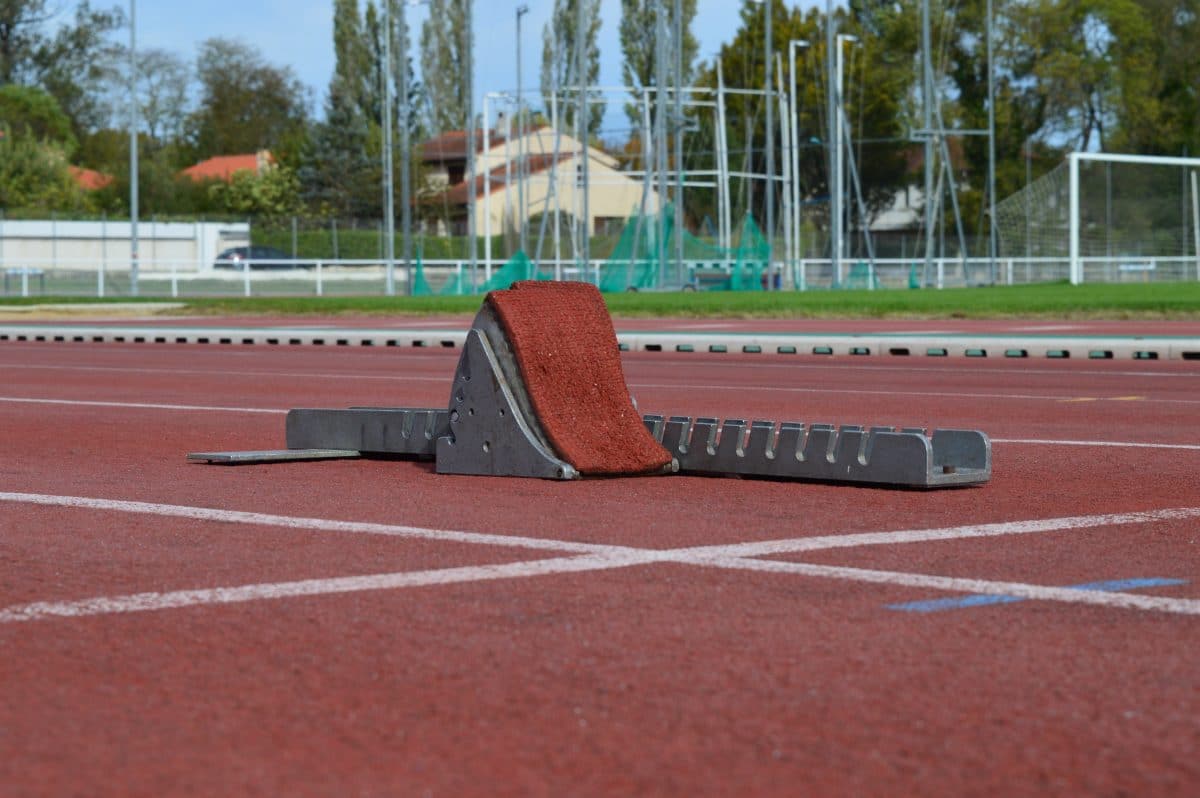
pixel 299 33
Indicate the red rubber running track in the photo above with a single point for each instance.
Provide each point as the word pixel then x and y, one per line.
pixel 670 635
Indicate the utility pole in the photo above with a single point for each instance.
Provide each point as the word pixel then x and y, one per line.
pixel 133 151
pixel 521 11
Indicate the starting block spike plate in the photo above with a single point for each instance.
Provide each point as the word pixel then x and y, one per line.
pixel 881 455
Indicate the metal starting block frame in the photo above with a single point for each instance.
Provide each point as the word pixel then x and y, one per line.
pixel 489 428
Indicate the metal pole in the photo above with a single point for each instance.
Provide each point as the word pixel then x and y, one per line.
pixel 660 135
pixel 840 141
pixel 133 151
pixel 785 135
pixel 389 196
pixel 770 166
pixel 677 38
pixel 469 61
pixel 1076 272
pixel 521 11
pixel 992 242
pixel 927 123
pixel 797 249
pixel 835 150
pixel 582 83
pixel 1196 223
pixel 487 188
pixel 405 156
pixel 726 233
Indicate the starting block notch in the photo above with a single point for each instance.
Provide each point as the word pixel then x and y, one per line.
pixel 490 427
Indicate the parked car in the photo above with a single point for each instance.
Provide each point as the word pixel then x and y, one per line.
pixel 258 258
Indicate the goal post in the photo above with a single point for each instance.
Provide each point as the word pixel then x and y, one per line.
pixel 1074 160
pixel 1105 217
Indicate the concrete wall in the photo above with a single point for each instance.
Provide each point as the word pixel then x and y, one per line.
pixel 90 246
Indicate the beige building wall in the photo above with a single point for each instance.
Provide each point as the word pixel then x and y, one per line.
pixel 612 196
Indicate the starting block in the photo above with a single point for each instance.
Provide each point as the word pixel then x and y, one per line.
pixel 539 392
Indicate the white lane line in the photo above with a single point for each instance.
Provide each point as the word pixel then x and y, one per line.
pixel 1129 601
pixel 142 602
pixel 1120 444
pixel 598 557
pixel 279 411
pixel 255 373
pixel 766 548
pixel 137 405
pixel 865 392
pixel 312 524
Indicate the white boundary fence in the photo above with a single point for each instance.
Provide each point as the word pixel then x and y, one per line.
pixel 181 278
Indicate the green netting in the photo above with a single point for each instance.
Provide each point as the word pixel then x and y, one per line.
pixel 458 282
pixel 420 286
pixel 635 264
pixel 752 254
pixel 519 267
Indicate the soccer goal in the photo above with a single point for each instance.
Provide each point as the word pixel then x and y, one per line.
pixel 1105 217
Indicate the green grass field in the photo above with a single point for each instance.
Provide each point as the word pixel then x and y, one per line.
pixel 1092 301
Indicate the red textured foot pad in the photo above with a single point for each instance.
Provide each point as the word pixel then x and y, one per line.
pixel 566 349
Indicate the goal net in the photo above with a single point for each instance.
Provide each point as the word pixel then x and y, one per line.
pixel 1106 217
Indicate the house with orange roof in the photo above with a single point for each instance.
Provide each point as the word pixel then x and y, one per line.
pixel 89 179
pixel 548 177
pixel 224 167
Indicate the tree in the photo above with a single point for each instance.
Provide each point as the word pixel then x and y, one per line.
pixel 34 176
pixel 71 63
pixel 32 113
pixel 560 64
pixel 637 31
pixel 163 82
pixel 245 104
pixel 274 193
pixel 444 64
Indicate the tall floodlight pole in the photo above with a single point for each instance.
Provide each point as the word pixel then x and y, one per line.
pixel 991 76
pixel 794 153
pixel 840 143
pixel 389 196
pixel 582 84
pixel 521 11
pixel 770 167
pixel 469 62
pixel 927 120
pixel 406 155
pixel 677 39
pixel 133 151
pixel 835 151
pixel 660 133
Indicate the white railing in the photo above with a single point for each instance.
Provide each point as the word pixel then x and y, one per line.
pixel 325 277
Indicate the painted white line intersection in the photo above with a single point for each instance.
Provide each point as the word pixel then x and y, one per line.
pixel 590 557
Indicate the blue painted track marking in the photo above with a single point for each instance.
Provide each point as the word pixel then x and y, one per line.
pixel 1114 585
